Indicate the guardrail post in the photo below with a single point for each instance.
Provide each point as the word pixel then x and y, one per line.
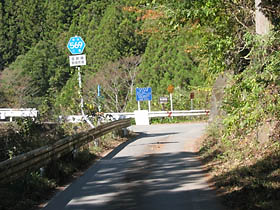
pixel 125 132
pixel 74 153
pixel 42 171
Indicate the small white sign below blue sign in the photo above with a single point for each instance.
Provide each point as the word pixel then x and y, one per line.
pixel 76 45
pixel 144 94
pixel 77 60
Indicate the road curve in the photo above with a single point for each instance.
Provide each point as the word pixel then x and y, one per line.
pixel 155 170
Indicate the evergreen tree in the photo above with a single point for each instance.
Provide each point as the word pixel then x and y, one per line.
pixel 22 25
pixel 115 38
pixel 59 16
pixel 167 61
pixel 30 22
pixel 2 37
pixel 9 48
pixel 46 70
pixel 105 40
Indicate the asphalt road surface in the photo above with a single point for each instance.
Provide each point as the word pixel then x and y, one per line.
pixel 155 170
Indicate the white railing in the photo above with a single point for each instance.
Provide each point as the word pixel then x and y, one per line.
pixel 182 113
pixel 121 115
pixel 126 115
pixel 10 113
pixel 33 113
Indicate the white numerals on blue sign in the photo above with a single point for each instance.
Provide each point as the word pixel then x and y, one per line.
pixel 76 45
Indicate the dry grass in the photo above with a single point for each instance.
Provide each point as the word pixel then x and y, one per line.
pixel 246 173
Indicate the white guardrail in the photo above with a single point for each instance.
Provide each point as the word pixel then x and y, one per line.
pixel 10 113
pixel 126 115
pixel 181 113
pixel 33 113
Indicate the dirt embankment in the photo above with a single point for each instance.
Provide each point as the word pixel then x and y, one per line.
pixel 245 172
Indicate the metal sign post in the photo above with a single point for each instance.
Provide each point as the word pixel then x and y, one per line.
pixel 82 99
pixel 80 90
pixel 170 90
pixel 162 101
pixel 98 98
pixel 171 103
pixel 76 46
pixel 142 116
pixel 191 97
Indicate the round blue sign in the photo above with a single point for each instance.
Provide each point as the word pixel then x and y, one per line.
pixel 76 45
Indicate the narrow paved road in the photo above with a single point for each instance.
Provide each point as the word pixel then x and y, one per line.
pixel 156 170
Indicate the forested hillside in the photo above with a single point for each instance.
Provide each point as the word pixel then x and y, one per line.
pixel 140 43
pixel 129 44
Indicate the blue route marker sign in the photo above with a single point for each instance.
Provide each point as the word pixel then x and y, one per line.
pixel 76 45
pixel 144 94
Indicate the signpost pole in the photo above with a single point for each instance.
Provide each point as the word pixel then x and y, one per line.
pixel 149 104
pixel 98 97
pixel 171 102
pixel 192 97
pixel 170 90
pixel 76 46
pixel 142 116
pixel 80 89
pixel 82 99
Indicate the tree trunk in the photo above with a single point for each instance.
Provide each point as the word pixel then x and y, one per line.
pixel 262 23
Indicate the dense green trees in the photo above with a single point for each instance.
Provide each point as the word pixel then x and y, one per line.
pixel 184 43
pixel 169 61
pixel 114 38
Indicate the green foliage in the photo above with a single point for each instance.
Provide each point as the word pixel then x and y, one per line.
pixel 87 19
pixel 24 136
pixel 183 43
pixel 172 61
pixel 40 74
pixel 2 35
pixel 254 94
pixel 112 32
pixel 67 101
pixel 22 25
pixel 115 38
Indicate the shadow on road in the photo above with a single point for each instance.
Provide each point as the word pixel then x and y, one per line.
pixel 139 136
pixel 159 181
pixel 165 181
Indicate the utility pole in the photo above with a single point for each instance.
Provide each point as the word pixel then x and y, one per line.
pixel 262 23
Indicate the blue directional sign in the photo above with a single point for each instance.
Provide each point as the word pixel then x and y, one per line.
pixel 76 45
pixel 144 94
